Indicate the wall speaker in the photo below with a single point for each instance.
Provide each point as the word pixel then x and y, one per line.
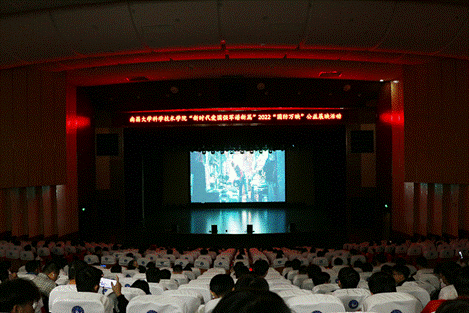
pixel 249 229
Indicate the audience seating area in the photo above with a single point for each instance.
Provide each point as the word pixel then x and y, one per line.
pixel 290 279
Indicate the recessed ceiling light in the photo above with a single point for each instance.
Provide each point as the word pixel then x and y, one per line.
pixel 381 80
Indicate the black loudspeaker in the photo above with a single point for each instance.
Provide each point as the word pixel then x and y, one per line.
pixel 362 141
pixel 107 144
pixel 249 229
pixel 292 227
pixel 214 229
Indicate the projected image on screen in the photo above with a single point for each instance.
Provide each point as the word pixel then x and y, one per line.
pixel 237 176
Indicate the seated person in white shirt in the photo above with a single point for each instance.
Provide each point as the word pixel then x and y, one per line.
pixel 178 275
pixel 381 282
pixel 32 269
pixel 401 274
pixel 422 266
pixel 446 272
pixel 322 283
pixel 220 285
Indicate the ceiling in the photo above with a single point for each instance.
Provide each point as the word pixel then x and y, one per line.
pixel 105 41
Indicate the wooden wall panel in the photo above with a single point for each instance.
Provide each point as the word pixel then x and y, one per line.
pixel 436 128
pixel 36 128
pixel 7 159
pixel 21 127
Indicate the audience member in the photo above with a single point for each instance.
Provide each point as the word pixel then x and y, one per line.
pixel 401 274
pixel 447 273
pixel 381 282
pixel 251 301
pixel 251 281
pixel 261 267
pixel 45 281
pixel 141 284
pixel 220 285
pixel 19 296
pixel 454 306
pixel 348 278
pixel 461 285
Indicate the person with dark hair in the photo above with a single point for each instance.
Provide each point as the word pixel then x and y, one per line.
pixel 153 275
pixel 19 296
pixel 322 283
pixel 220 285
pixel 116 268
pixel 178 276
pixel 261 267
pixel 251 281
pixel 401 274
pixel 45 281
pixel 295 265
pixel 447 275
pixel 251 301
pixel 88 279
pixel 165 280
pixel 132 265
pixel 461 285
pixel 32 269
pixel 381 282
pixel 348 278
pixel 454 306
pixel 141 284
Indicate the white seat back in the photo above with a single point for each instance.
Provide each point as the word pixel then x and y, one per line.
pixel 124 260
pixel 85 302
pixel 396 302
pixel 416 291
pixel 312 303
pixel 192 299
pixel 91 259
pixel 26 256
pixel 160 262
pixel 353 298
pixel 202 263
pixel 129 292
pixel 108 259
pixel 292 292
pixel 160 304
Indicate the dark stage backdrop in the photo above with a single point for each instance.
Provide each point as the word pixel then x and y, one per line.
pixel 157 173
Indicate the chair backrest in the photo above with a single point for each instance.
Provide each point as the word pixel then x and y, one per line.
pixel 202 263
pixel 26 255
pixel 292 292
pixel 108 259
pixel 313 303
pixel 159 303
pixel 188 257
pixel 202 289
pixel 160 262
pixel 82 302
pixel 128 292
pixel 222 263
pixel 192 299
pixel 359 257
pixel 416 291
pixel 352 299
pixel 156 289
pixel 60 292
pixel 325 288
pixel 396 302
pixel 12 254
pixel 321 261
pixel 152 257
pixel 279 262
pixel 124 260
pixel 143 261
pixel 182 262
pixel 91 259
pixel 58 250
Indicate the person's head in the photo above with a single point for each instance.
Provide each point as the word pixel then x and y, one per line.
pixel 461 282
pixel 88 279
pixel 338 261
pixel 447 272
pixel 141 284
pixel 348 278
pixel 313 269
pixel 251 281
pixel 386 269
pixel 367 267
pixel 18 296
pixel 454 306
pixel 295 264
pixel 261 267
pixel 151 265
pixel 379 258
pixel 321 278
pixel 74 268
pixel 177 269
pixel 400 273
pixel 132 265
pixel 52 270
pixel 421 262
pixel 251 301
pixel 220 285
pixel 165 274
pixel 241 270
pixel 116 268
pixel 142 269
pixel 381 282
pixel 153 275
pixel 32 266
